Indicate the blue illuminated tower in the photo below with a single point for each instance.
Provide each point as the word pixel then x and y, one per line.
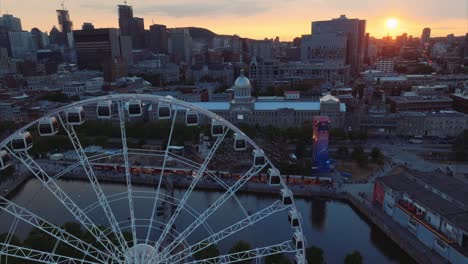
pixel 321 134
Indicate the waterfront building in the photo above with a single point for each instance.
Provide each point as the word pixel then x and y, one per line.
pixel 432 208
pixel 419 103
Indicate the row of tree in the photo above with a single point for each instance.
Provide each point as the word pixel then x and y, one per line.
pixel 360 156
pixel 38 240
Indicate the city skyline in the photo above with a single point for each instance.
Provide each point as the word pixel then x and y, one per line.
pixel 258 19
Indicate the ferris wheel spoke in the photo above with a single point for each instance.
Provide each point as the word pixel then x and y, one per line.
pixel 158 188
pixel 219 236
pixel 39 256
pixel 66 201
pixel 226 187
pixel 128 176
pixel 258 253
pixel 91 159
pixel 88 168
pixel 213 208
pixel 194 182
pixel 56 232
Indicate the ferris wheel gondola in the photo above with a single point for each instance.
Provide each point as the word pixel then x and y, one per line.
pixel 164 111
pixel 191 118
pixel 104 110
pixel 75 116
pixel 217 129
pixel 135 108
pixel 22 142
pixel 48 127
pixel 239 142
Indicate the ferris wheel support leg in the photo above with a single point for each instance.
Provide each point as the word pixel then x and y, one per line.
pixel 66 201
pixel 219 236
pixel 50 229
pixel 258 253
pixel 213 208
pixel 88 168
pixel 194 182
pixel 158 188
pixel 38 256
pixel 128 176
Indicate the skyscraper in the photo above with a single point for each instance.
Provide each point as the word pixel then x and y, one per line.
pixel 11 23
pixel 125 18
pixel 159 39
pixel 426 36
pixel 354 30
pixel 132 26
pixel 65 24
pixel 180 44
pixel 95 47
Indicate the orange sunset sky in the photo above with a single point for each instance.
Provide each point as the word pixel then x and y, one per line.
pixel 256 18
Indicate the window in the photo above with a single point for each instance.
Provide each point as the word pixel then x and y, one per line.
pixel 441 244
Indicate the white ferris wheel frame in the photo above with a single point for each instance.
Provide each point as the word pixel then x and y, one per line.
pixel 112 253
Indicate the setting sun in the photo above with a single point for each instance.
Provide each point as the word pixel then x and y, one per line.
pixel 392 23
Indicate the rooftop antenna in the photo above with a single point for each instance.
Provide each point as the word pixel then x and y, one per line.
pixel 62 3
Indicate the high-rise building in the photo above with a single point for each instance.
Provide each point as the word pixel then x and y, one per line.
pixel 65 24
pixel 180 44
pixel 95 47
pixel 159 39
pixel 261 49
pixel 330 47
pixel 354 30
pixel 11 23
pixel 125 17
pixel 132 26
pixel 40 39
pixel 21 44
pixel 426 36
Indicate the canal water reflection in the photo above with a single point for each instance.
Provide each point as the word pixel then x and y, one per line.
pixel 333 226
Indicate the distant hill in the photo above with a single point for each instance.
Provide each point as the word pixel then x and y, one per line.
pixel 201 33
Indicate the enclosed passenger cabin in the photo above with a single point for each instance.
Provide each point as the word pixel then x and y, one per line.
pixel 274 177
pixel 48 127
pixel 259 158
pixel 164 111
pixel 240 143
pixel 293 218
pixel 75 116
pixel 5 160
pixel 22 142
pixel 298 240
pixel 104 110
pixel 191 118
pixel 286 197
pixel 217 128
pixel 135 108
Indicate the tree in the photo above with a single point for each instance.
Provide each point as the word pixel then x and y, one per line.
pixel 360 157
pixel 353 258
pixel 211 251
pixel 314 255
pixel 277 259
pixel 240 247
pixel 343 152
pixel 377 156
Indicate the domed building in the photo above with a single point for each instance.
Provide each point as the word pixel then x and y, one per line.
pixel 274 111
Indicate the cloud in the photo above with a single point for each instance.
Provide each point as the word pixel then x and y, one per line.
pixel 176 9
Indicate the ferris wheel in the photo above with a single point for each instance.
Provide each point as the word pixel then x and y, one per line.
pixel 172 228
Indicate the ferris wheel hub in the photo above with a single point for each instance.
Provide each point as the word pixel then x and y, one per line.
pixel 140 254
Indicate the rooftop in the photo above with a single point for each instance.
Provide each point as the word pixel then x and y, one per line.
pixel 418 187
